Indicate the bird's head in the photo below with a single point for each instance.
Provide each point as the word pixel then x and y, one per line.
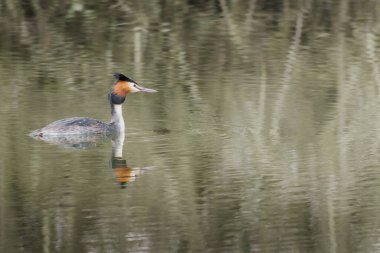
pixel 123 86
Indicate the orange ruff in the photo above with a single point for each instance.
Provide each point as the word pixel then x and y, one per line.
pixel 121 88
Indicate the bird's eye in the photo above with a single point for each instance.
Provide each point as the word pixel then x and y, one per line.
pixel 135 85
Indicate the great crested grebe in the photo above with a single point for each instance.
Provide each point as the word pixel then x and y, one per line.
pixel 89 126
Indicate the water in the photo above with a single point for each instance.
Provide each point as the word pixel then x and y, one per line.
pixel 263 137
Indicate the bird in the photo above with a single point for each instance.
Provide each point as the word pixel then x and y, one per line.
pixel 89 126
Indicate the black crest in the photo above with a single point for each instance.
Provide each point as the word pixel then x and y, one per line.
pixel 121 77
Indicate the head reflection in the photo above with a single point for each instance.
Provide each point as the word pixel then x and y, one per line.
pixel 124 175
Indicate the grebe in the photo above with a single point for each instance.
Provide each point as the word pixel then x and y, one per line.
pixel 89 126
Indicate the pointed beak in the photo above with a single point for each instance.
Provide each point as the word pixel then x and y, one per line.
pixel 142 89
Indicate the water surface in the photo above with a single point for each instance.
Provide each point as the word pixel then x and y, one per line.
pixel 263 137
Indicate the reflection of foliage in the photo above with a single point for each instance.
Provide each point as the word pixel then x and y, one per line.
pixel 87 18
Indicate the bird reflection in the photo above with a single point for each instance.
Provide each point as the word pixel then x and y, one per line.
pixel 124 175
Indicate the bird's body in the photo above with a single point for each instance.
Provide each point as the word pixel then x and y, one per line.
pixel 89 126
pixel 76 125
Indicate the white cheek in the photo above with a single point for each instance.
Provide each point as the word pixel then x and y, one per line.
pixel 133 89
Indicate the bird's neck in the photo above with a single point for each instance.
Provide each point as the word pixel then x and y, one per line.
pixel 117 146
pixel 117 118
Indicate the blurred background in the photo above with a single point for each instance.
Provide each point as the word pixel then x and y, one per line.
pixel 264 135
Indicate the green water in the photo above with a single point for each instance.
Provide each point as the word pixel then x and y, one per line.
pixel 264 135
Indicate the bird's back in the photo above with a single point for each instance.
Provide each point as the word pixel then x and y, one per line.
pixel 73 126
